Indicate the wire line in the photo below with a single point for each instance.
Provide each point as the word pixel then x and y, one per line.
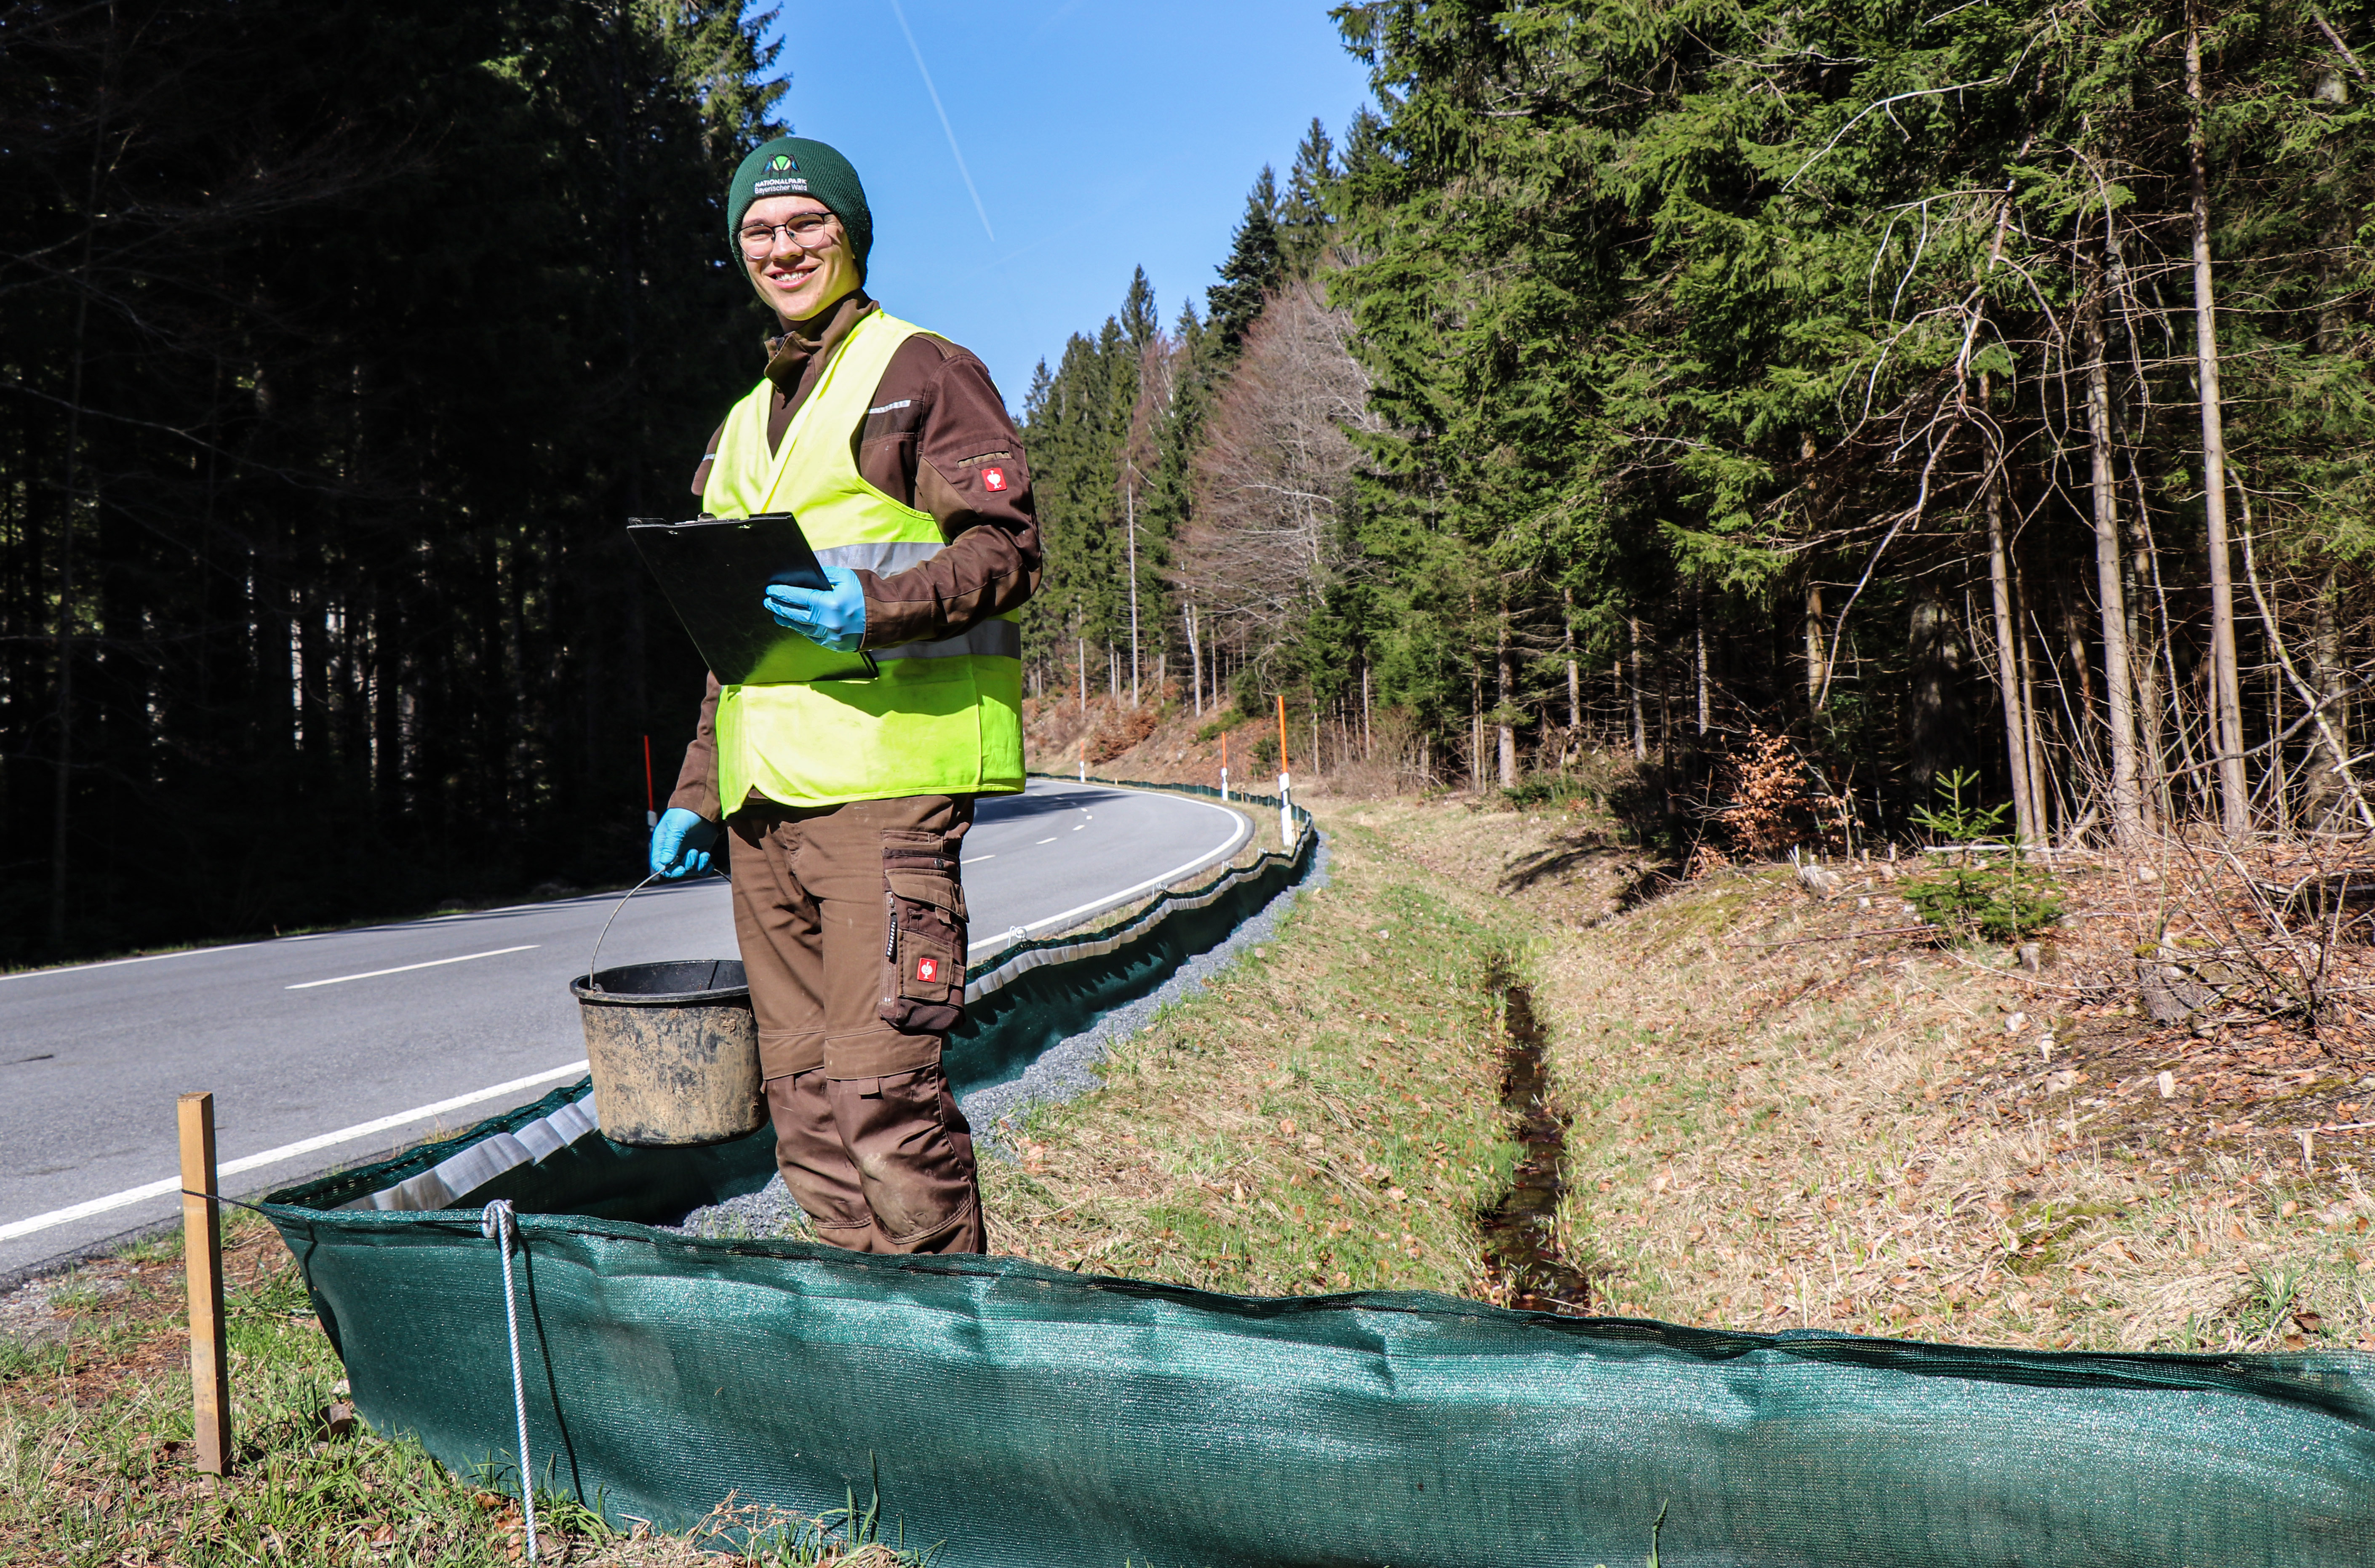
pixel 951 130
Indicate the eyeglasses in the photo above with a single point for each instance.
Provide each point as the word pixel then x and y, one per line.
pixel 809 230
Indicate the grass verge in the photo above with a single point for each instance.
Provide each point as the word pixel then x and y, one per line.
pixel 95 1449
pixel 1321 1116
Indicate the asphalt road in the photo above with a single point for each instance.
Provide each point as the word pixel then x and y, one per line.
pixel 350 1043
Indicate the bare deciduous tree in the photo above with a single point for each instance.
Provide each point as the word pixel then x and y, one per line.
pixel 1276 464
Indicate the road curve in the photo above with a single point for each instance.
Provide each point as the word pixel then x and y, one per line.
pixel 330 1049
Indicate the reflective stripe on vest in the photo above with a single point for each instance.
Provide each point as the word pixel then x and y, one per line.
pixel 943 717
pixel 1000 637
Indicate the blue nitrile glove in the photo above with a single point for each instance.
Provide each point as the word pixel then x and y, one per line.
pixel 680 843
pixel 836 619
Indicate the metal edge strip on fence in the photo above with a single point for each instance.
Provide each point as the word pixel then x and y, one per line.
pixel 504 1149
pixel 482 1162
pixel 1017 937
pixel 1011 962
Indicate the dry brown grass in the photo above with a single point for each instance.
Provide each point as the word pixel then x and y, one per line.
pixel 1780 1122
pixel 1164 740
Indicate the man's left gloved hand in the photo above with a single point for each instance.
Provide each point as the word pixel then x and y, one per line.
pixel 835 618
pixel 680 843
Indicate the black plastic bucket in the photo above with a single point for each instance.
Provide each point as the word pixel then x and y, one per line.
pixel 674 1051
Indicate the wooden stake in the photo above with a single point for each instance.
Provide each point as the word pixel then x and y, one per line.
pixel 202 1254
pixel 1281 735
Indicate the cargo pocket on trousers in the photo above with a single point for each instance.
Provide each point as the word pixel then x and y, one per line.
pixel 924 948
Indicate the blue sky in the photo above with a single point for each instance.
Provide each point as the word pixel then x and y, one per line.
pixel 1101 134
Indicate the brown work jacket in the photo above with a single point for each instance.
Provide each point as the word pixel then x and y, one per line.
pixel 933 424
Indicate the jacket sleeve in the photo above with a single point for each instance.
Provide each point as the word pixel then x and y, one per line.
pixel 696 781
pixel 970 472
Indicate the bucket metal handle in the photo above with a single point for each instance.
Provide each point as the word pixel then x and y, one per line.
pixel 592 965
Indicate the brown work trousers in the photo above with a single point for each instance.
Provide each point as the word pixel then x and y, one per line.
pixel 852 925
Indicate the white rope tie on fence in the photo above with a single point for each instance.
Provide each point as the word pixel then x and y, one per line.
pixel 500 1225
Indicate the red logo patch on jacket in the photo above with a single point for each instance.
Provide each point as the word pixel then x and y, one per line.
pixel 927 969
pixel 993 479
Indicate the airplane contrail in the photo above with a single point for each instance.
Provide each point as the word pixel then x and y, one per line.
pixel 925 72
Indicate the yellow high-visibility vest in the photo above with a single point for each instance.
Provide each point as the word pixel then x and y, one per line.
pixel 942 718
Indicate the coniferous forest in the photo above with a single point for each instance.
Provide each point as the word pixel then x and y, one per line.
pixel 338 341
pixel 1973 393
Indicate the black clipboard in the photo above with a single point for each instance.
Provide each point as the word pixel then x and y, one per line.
pixel 715 572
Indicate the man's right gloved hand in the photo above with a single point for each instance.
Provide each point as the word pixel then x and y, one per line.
pixel 680 843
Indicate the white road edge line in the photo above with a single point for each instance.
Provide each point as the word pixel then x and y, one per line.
pixel 118 963
pixel 402 968
pixel 1245 831
pixel 426 920
pixel 130 1195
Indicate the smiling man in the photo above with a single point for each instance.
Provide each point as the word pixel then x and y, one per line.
pixel 846 801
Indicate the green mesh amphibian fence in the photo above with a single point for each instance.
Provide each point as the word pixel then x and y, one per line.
pixel 1024 1414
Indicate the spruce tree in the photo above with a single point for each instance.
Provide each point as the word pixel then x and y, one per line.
pixel 1304 223
pixel 1252 270
pixel 1139 323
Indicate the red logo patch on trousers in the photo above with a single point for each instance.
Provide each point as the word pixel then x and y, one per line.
pixel 993 479
pixel 927 969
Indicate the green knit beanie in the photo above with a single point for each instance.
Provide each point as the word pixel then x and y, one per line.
pixel 794 166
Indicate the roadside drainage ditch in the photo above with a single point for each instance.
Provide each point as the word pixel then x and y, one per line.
pixel 1524 1263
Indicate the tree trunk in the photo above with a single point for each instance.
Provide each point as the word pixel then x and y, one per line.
pixel 1476 729
pixel 2074 643
pixel 1814 655
pixel 2119 686
pixel 2279 776
pixel 1195 662
pixel 2147 647
pixel 1640 723
pixel 1934 727
pixel 2329 740
pixel 2152 761
pixel 2329 679
pixel 2032 739
pixel 1698 633
pixel 1573 671
pixel 2162 706
pixel 1505 680
pixel 1368 730
pixel 2008 663
pixel 2226 680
